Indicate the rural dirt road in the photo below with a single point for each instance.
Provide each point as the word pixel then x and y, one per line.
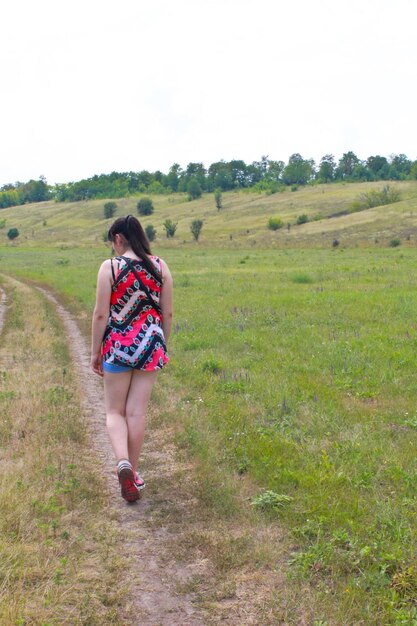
pixel 151 572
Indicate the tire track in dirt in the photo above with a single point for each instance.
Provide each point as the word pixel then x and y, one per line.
pixel 3 302
pixel 152 574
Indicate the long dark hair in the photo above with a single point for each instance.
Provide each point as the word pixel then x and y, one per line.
pixel 135 236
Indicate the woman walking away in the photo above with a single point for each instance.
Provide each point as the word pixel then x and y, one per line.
pixel 131 325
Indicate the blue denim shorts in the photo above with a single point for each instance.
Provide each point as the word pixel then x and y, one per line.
pixel 115 369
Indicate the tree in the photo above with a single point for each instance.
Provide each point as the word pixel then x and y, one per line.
pixel 170 227
pixel 346 165
pixel 298 171
pixel 36 190
pixel 12 233
pixel 400 166
pixel 413 170
pixel 145 206
pixel 195 227
pixel 218 199
pixel 326 169
pixel 150 232
pixel 379 166
pixel 173 177
pixel 193 189
pixel 109 209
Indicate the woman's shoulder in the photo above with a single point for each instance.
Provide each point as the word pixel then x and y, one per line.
pixel 106 265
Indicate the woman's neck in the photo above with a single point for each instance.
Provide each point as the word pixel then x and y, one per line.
pixel 129 253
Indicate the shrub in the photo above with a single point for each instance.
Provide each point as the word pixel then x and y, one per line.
pixel 150 232
pixel 302 219
pixel 274 223
pixel 109 209
pixel 12 233
pixel 395 242
pixel 376 197
pixel 302 278
pixel 212 365
pixel 3 223
pixel 294 187
pixel 218 199
pixel 170 227
pixel 194 189
pixel 145 206
pixel 195 227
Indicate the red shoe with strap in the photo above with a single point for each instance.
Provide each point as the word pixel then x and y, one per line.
pixel 129 489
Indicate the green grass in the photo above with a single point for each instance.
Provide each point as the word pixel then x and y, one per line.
pixel 308 388
pixel 242 223
pixel 293 370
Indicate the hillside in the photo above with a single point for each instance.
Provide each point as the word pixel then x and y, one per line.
pixel 241 223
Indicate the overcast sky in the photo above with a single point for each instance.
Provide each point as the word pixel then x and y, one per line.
pixel 95 86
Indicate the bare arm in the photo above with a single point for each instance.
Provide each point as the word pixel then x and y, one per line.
pixel 100 315
pixel 166 300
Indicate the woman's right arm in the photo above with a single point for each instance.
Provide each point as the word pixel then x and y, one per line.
pixel 166 300
pixel 100 315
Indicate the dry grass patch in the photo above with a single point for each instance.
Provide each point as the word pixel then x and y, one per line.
pixel 58 538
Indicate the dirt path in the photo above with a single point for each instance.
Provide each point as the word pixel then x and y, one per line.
pixel 3 301
pixel 152 573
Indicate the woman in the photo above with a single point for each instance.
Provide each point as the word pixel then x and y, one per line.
pixel 131 325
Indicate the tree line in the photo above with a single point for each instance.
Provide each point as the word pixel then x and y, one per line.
pixel 265 175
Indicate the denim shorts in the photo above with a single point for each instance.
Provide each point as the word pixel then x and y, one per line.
pixel 115 369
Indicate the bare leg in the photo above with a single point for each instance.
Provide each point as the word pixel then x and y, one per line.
pixel 136 406
pixel 116 390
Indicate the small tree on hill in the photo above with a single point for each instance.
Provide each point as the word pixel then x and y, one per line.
pixel 218 199
pixel 12 233
pixel 195 227
pixel 275 223
pixel 302 219
pixel 109 209
pixel 145 206
pixel 150 232
pixel 170 227
pixel 194 189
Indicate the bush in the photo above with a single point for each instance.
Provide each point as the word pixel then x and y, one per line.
pixel 302 219
pixel 150 232
pixel 274 223
pixel 194 189
pixel 195 227
pixel 170 227
pixel 376 197
pixel 12 233
pixel 302 278
pixel 218 199
pixel 109 209
pixel 294 187
pixel 145 206
pixel 395 242
pixel 3 223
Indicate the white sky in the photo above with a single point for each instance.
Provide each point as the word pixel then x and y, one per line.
pixel 93 86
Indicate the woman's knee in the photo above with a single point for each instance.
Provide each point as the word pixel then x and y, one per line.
pixel 135 415
pixel 114 418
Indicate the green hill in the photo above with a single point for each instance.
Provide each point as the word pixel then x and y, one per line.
pixel 242 222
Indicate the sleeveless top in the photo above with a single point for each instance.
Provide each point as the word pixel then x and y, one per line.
pixel 134 335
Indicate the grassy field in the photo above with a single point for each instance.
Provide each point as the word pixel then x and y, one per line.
pixel 293 379
pixel 59 559
pixel 242 223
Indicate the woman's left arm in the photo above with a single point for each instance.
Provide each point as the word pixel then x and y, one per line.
pixel 100 315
